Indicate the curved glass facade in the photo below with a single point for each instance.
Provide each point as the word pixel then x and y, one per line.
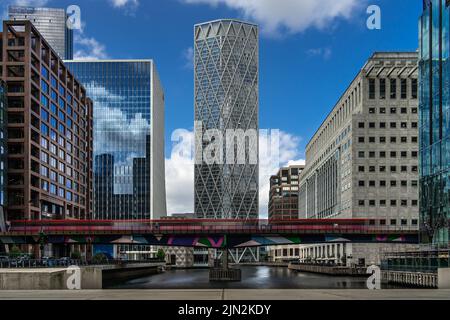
pixel 121 92
pixel 434 105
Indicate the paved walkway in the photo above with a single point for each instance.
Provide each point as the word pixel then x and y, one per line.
pixel 228 294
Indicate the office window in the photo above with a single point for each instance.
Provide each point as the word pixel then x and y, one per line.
pixel 393 203
pixel 371 139
pixel 361 154
pixel 404 154
pixel 404 222
pixel 414 183
pixel 393 221
pixel 371 110
pixel 382 110
pixel 372 169
pixel 414 139
pixel 382 204
pixel 361 203
pixel 393 183
pixel 414 222
pixel 393 154
pixel 372 154
pixel 372 183
pixel 393 88
pixel 404 90
pixel 361 168
pixel 393 139
pixel 414 203
pixel 361 183
pixel 404 183
pixel 372 203
pixel 371 89
pixel 382 125
pixel 372 125
pixel 361 139
pixel 382 168
pixel 393 125
pixel 393 110
pixel 393 169
pixel 404 168
pixel 414 88
pixel 404 125
pixel 382 89
pixel 361 125
pixel 382 183
pixel 404 139
pixel 382 139
pixel 403 111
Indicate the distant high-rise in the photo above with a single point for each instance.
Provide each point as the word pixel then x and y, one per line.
pixel 434 124
pixel 51 23
pixel 283 194
pixel 226 99
pixel 129 177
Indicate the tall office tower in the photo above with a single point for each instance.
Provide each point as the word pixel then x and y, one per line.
pixel 51 23
pixel 226 101
pixel 283 196
pixel 363 160
pixel 49 130
pixel 434 106
pixel 129 177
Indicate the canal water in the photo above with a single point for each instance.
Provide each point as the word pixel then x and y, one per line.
pixel 252 278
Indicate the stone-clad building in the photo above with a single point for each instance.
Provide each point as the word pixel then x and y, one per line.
pixel 363 160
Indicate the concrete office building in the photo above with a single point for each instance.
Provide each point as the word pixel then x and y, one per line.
pixel 283 196
pixel 51 24
pixel 129 170
pixel 226 98
pixel 49 130
pixel 363 160
pixel 434 106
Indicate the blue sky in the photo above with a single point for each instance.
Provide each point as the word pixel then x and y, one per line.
pixel 310 50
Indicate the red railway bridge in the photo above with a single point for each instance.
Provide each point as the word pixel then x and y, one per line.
pixel 205 233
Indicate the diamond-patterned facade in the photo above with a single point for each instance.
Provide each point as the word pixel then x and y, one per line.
pixel 226 97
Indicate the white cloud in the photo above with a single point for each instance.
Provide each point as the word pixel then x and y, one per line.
pixel 289 16
pixel 88 48
pixel 324 53
pixel 188 56
pixel 26 3
pixel 123 3
pixel 180 169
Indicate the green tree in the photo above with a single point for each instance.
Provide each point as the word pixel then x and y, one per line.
pixel 161 255
pixel 99 258
pixel 76 255
pixel 15 252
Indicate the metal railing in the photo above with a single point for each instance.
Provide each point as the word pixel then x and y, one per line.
pixel 64 263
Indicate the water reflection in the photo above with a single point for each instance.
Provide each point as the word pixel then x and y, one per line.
pixel 252 278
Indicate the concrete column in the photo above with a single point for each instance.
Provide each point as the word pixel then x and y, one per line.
pixel 444 278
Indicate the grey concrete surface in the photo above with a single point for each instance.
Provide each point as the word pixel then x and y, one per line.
pixel 229 294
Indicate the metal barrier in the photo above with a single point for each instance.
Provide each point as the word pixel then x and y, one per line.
pixel 64 263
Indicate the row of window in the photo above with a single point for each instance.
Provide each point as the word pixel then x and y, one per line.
pixel 383 140
pixel 383 168
pixel 393 88
pixel 392 125
pixel 383 203
pixel 393 110
pixel 382 154
pixel 393 183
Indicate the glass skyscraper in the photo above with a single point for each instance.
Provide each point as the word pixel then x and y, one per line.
pixel 51 23
pixel 434 105
pixel 129 172
pixel 226 100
